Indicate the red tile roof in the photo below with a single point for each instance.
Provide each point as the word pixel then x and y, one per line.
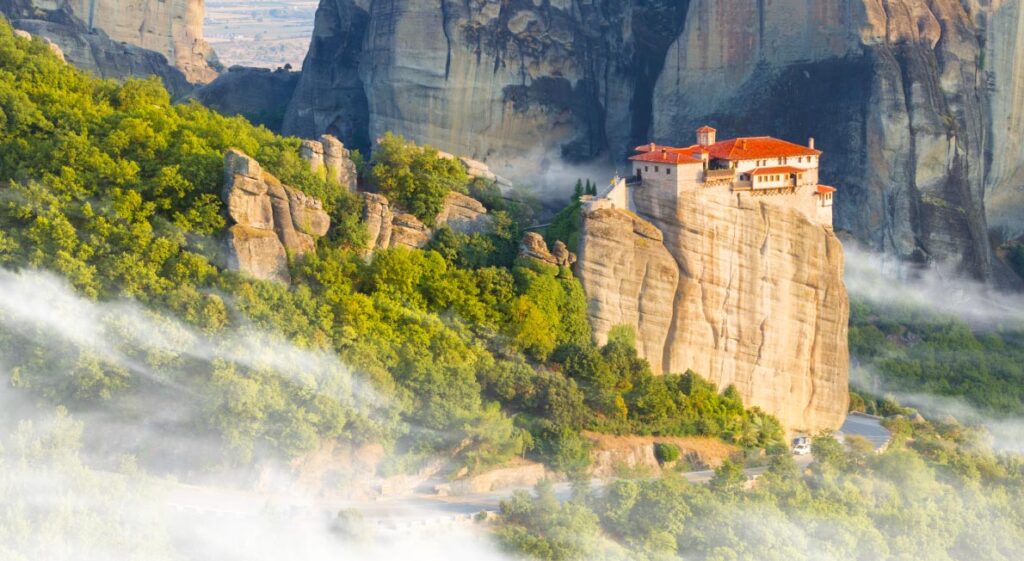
pixel 758 147
pixel 825 189
pixel 706 128
pixel 747 148
pixel 667 155
pixel 777 169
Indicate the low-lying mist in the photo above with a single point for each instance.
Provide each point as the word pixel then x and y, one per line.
pixel 886 281
pixel 71 486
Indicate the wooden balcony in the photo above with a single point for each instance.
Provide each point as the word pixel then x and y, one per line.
pixel 719 175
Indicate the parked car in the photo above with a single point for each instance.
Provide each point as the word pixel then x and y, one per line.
pixel 801 445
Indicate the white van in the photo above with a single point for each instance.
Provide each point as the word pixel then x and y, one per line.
pixel 801 445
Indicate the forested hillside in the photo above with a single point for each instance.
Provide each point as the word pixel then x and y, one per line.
pixel 471 350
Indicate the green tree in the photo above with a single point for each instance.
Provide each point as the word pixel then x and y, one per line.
pixel 415 177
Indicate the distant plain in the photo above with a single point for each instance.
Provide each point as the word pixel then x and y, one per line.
pixel 260 33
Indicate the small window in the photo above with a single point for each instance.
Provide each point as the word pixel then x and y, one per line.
pixel 645 168
pixel 668 171
pixel 656 169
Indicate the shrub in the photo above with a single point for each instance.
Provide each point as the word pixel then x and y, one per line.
pixel 666 452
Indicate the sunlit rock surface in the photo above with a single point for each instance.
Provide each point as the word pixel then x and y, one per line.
pixel 270 220
pixel 740 291
pixel 329 157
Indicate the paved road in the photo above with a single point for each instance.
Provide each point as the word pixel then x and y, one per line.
pixel 406 510
pixel 867 426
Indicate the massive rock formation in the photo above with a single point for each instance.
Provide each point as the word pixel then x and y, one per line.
pixel 270 220
pixel 740 290
pixel 172 28
pixel 1003 66
pixel 916 104
pixel 100 55
pixel 255 93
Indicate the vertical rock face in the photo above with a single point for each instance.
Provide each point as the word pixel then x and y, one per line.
pixel 741 291
pixel 104 57
pixel 117 39
pixel 892 89
pixel 1003 65
pixel 917 104
pixel 173 28
pixel 270 220
pixel 492 79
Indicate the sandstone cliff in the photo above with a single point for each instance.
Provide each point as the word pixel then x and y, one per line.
pixel 916 104
pixel 270 220
pixel 99 54
pixel 741 291
pixel 171 28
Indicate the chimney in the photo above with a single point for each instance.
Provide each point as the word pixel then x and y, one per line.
pixel 810 143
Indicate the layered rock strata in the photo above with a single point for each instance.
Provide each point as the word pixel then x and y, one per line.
pixel 270 220
pixel 741 291
pixel 916 104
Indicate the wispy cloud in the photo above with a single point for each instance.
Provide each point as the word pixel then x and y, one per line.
pixel 886 281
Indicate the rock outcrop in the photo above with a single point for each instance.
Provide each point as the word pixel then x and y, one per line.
pixel 171 28
pixel 329 157
pixel 534 247
pixel 916 104
pixel 270 220
pixel 464 214
pixel 739 290
pixel 57 51
pixel 389 226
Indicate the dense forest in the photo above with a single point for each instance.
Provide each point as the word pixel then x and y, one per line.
pixel 938 493
pixel 117 190
pixel 906 348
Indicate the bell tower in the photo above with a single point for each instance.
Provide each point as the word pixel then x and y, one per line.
pixel 706 136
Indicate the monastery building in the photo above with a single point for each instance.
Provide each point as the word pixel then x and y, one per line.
pixel 760 166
